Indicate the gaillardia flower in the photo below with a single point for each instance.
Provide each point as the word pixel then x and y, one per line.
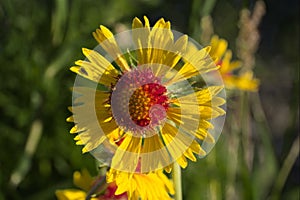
pixel 89 188
pixel 153 185
pixel 83 181
pixel 120 186
pixel 242 81
pixel 143 101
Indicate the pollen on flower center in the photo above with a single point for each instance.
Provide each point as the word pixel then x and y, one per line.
pixel 139 100
pixel 143 102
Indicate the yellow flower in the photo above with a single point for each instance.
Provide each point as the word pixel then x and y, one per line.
pixel 244 80
pixel 154 185
pixel 71 194
pixel 86 183
pixel 141 110
pixel 121 185
pixel 83 180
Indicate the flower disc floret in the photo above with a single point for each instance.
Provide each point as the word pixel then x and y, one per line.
pixel 144 101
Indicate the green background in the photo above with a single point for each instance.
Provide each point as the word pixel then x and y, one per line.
pixel 40 40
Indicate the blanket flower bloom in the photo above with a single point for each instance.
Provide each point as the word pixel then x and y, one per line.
pixel 142 100
pixel 244 80
pixel 85 182
pixel 153 185
pixel 120 186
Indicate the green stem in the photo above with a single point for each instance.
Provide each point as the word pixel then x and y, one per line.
pixel 246 150
pixel 25 161
pixel 177 181
pixel 96 187
pixel 286 169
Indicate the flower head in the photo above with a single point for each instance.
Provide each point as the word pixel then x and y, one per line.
pixel 244 80
pixel 83 181
pixel 148 102
pixel 153 185
pixel 120 186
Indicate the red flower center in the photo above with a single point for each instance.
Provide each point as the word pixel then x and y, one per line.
pixel 146 104
pixel 139 100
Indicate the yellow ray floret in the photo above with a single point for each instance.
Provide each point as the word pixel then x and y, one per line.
pixel 244 79
pixel 106 39
pixel 156 45
pixel 96 68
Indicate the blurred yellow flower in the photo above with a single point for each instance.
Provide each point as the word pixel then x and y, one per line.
pixel 71 194
pixel 82 180
pixel 222 56
pixel 86 183
pixel 147 111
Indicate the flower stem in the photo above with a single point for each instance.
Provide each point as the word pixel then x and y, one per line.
pixel 177 181
pixel 287 166
pixel 96 187
pixel 31 145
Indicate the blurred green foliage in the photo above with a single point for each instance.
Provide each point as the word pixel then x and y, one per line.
pixel 40 40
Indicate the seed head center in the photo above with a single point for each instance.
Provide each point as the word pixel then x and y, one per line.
pixel 143 99
pixel 139 101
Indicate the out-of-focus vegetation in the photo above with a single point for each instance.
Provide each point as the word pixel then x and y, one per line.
pixel 39 40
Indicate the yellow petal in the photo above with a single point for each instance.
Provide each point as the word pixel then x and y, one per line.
pixel 70 119
pixel 70 194
pixel 219 46
pixel 106 39
pixel 197 63
pixel 127 156
pixel 83 179
pixel 182 162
